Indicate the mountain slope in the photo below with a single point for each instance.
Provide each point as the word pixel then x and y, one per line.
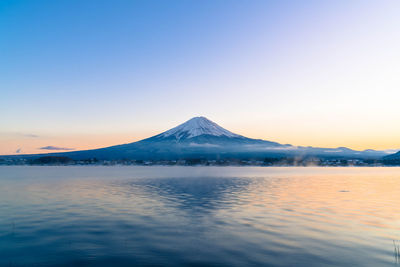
pixel 198 137
pixel 395 156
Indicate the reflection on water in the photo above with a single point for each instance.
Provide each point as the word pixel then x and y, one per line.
pixel 93 216
pixel 193 194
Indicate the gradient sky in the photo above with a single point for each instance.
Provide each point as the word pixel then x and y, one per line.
pixel 88 74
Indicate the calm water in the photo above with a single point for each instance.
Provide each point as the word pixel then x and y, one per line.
pixel 168 216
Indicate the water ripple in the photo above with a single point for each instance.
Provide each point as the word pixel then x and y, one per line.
pixel 92 216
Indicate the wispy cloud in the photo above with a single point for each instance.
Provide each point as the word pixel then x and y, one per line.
pixel 31 135
pixel 203 145
pixel 19 135
pixel 55 148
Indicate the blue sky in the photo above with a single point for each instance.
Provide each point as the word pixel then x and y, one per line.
pixel 87 74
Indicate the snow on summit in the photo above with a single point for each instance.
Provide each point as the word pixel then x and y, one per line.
pixel 195 127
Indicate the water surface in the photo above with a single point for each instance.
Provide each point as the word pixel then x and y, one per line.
pixel 219 216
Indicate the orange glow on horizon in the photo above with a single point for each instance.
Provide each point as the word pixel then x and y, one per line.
pixel 9 144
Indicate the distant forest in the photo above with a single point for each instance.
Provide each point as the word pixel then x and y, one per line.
pixel 283 161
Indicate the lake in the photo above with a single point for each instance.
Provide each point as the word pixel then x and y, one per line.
pixel 198 216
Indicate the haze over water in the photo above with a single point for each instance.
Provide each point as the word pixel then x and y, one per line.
pixel 229 216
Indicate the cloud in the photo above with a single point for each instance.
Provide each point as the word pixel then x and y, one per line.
pixel 18 150
pixel 391 151
pixel 203 145
pixel 19 135
pixel 55 148
pixel 31 135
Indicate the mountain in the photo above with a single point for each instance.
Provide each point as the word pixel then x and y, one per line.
pixel 198 137
pixel 195 127
pixel 201 138
pixel 395 156
pixel 201 132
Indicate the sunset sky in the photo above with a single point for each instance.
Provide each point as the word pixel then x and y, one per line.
pixel 88 74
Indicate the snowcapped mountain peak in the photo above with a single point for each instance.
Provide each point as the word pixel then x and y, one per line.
pixel 195 127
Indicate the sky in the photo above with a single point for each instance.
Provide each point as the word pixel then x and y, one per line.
pixel 88 74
